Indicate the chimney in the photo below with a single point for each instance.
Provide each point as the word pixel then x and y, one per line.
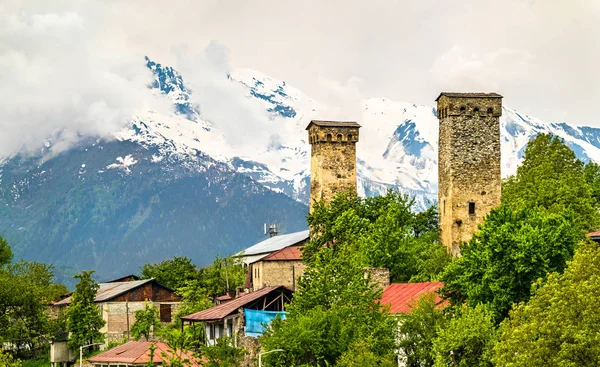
pixel 333 158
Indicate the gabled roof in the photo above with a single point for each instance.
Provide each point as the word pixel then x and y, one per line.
pixel 468 95
pixel 333 123
pixel 125 278
pixel 290 253
pixel 403 296
pixel 594 235
pixel 107 291
pixel 225 309
pixel 274 243
pixel 138 352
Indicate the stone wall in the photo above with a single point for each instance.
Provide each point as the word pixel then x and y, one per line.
pixel 121 315
pixel 379 276
pixel 468 164
pixel 333 159
pixel 274 273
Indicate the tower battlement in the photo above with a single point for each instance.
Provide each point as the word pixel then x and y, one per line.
pixel 469 180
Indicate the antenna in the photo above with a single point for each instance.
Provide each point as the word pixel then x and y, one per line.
pixel 272 230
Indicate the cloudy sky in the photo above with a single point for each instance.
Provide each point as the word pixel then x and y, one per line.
pixel 79 63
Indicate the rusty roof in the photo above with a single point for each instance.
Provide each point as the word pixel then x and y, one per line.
pixel 138 353
pixel 594 234
pixel 468 95
pixel 290 253
pixel 225 309
pixel 107 291
pixel 402 296
pixel 333 123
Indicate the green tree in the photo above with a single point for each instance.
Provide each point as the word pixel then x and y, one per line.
pixel 84 320
pixel 467 340
pixel 7 360
pixel 383 232
pixel 360 355
pixel 551 177
pixel 6 253
pixel 146 322
pixel 511 251
pixel 560 325
pixel 224 274
pixel 418 330
pixel 172 273
pixel 335 308
pixel 223 354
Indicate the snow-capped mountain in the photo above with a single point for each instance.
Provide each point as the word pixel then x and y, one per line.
pixel 397 147
pixel 176 184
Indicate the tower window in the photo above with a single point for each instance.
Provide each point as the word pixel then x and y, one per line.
pixel 463 108
pixel 339 137
pixel 490 110
pixel 329 137
pixel 471 208
pixel 476 109
pixel 349 137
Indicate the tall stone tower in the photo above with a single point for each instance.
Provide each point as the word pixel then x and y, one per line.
pixel 333 158
pixel 468 163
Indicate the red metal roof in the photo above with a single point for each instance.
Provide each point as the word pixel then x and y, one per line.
pixel 225 309
pixel 403 296
pixel 138 352
pixel 289 253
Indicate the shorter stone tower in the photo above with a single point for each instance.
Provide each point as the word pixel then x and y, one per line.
pixel 469 180
pixel 333 158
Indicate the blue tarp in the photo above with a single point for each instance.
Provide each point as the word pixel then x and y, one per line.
pixel 255 320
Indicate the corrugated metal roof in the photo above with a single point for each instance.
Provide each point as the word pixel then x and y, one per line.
pixel 225 309
pixel 403 296
pixel 289 253
pixel 469 95
pixel 274 243
pixel 333 123
pixel 106 291
pixel 138 352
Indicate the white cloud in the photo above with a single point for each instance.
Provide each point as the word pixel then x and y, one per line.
pixel 224 102
pixel 76 67
pixel 57 83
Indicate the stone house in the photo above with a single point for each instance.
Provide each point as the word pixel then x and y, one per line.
pixel 118 301
pixel 283 267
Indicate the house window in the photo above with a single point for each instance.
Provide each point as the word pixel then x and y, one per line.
pixel 165 313
pixel 211 331
pixel 230 328
pixel 471 208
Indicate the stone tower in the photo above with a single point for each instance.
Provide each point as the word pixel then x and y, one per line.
pixel 468 163
pixel 333 158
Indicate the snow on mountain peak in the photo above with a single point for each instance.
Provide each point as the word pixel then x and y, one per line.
pixel 397 146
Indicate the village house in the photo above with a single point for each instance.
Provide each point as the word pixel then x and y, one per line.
pixel 119 299
pixel 283 267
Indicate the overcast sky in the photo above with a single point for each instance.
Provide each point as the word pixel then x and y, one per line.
pixel 79 62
